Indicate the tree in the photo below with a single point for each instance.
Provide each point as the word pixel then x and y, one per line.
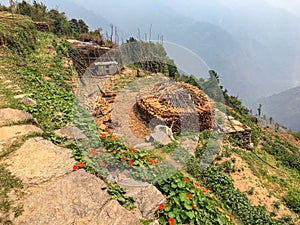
pixel 82 27
pixel 211 87
pixel 24 8
pixel 259 109
pixel 60 24
pixel 79 26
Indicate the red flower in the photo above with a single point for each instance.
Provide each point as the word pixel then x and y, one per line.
pixel 75 167
pixel 188 195
pixel 114 152
pixel 153 162
pixel 93 151
pixel 103 135
pixel 161 206
pixel 132 149
pixel 81 164
pixel 186 179
pixel 101 149
pixel 205 190
pixel 123 159
pixel 114 137
pixel 220 207
pixel 230 216
pixel 171 221
pixel 130 162
pixel 197 184
pixel 194 207
pixel 102 164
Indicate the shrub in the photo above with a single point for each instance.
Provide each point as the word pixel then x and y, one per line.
pixel 293 200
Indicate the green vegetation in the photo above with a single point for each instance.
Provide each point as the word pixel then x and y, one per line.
pixel 293 200
pixel 54 21
pixel 222 185
pixel 149 56
pixel 118 193
pixel 8 183
pixel 187 203
pixel 285 153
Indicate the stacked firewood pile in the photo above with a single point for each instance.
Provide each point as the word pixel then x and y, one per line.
pixel 238 131
pixel 103 108
pixel 178 105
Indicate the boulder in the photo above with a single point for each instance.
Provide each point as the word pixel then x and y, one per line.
pixel 71 132
pixel 147 196
pixel 162 134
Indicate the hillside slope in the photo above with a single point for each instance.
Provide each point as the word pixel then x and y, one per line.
pixel 97 177
pixel 284 107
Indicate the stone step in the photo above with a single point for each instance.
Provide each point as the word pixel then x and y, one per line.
pixel 39 160
pixel 9 115
pixel 8 133
pixel 77 198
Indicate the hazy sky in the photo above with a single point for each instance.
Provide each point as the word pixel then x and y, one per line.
pixel 292 6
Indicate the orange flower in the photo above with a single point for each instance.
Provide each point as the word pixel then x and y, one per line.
pixel 102 164
pixel 188 195
pixel 205 190
pixel 186 179
pixel 171 221
pixel 93 151
pixel 103 135
pixel 123 159
pixel 130 162
pixel 230 216
pixel 194 207
pixel 101 149
pixel 114 137
pixel 114 152
pixel 153 162
pixel 161 206
pixel 197 184
pixel 75 167
pixel 81 164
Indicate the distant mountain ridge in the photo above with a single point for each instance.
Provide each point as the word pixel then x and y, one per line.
pixel 252 46
pixel 284 107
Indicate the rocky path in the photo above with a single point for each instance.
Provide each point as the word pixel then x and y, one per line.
pixel 52 192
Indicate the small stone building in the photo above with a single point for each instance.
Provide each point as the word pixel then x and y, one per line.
pixel 106 68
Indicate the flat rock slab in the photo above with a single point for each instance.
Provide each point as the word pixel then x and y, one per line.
pixel 7 133
pixel 9 115
pixel 39 160
pixel 77 198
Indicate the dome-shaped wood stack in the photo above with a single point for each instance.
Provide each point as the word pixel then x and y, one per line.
pixel 179 105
